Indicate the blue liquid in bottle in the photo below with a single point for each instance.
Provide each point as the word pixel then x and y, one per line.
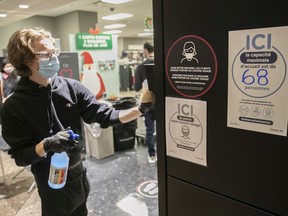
pixel 59 164
pixel 58 170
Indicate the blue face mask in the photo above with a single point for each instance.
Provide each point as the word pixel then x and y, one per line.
pixel 48 67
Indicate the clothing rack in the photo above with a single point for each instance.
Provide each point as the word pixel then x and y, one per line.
pixel 3 176
pixel 32 185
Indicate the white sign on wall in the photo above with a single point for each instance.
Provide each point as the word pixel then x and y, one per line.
pixel 186 129
pixel 257 80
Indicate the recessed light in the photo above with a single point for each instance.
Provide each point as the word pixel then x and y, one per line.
pixel 3 15
pixel 112 32
pixel 117 16
pixel 23 6
pixel 116 1
pixel 113 26
pixel 144 34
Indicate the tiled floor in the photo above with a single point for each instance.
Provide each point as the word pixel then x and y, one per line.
pixel 122 184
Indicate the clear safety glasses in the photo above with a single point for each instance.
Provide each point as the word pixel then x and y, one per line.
pixel 46 55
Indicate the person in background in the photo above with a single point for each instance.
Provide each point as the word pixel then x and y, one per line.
pixel 140 83
pixel 1 78
pixel 44 104
pixel 9 80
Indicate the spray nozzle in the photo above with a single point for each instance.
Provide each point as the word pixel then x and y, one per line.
pixel 69 134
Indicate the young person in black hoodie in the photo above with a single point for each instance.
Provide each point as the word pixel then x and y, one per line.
pixel 44 104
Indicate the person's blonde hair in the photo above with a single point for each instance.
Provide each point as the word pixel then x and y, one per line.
pixel 20 48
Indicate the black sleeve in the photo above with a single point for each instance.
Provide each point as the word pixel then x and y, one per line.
pixel 139 77
pixel 94 111
pixel 19 137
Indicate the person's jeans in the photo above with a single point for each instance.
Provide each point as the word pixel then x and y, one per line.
pixel 150 129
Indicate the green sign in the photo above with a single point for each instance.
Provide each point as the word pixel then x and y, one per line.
pixel 86 41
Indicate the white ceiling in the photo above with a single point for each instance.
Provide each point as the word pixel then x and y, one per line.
pixel 141 9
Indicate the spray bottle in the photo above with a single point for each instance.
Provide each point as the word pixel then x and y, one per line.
pixel 60 163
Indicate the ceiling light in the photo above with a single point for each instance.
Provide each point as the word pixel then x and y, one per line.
pixel 113 26
pixel 117 16
pixel 148 30
pixel 3 15
pixel 144 34
pixel 23 6
pixel 116 1
pixel 112 32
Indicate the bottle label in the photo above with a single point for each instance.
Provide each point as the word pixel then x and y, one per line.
pixel 57 175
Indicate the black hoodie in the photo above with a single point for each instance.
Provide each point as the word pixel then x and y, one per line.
pixel 33 110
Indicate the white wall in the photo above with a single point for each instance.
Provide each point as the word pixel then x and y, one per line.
pixel 7 31
pixel 62 26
